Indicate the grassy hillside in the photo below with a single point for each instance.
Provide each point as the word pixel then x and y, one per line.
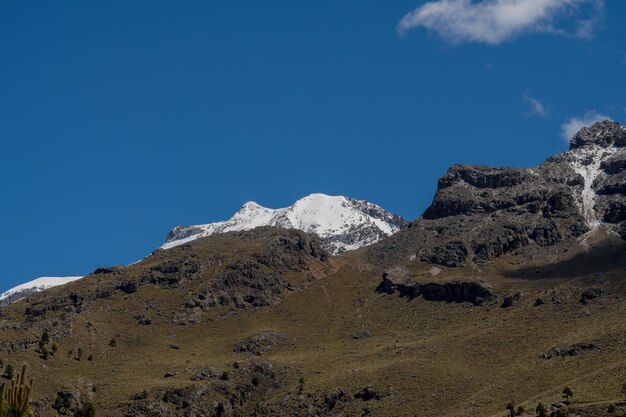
pixel 134 342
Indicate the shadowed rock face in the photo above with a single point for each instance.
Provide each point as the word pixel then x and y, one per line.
pixel 480 213
pixel 459 291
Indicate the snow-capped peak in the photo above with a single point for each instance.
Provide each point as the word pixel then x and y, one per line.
pixel 341 222
pixel 31 287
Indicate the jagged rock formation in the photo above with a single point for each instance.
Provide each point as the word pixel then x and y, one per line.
pixel 342 223
pixel 480 213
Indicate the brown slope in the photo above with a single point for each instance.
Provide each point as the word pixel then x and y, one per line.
pixel 421 357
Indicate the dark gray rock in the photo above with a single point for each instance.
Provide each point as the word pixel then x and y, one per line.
pixel 362 335
pixel 563 351
pixel 260 343
pixel 511 299
pixel 590 294
pixel 367 394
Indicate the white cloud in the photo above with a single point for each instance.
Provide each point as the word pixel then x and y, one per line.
pixel 495 21
pixel 573 125
pixel 537 108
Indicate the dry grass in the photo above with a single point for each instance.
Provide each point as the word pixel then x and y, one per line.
pixel 435 358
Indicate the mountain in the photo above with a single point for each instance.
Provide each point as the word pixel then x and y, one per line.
pixel 31 287
pixel 482 213
pixel 342 223
pixel 508 288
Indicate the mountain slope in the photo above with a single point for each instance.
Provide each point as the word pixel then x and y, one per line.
pixel 40 284
pixel 342 223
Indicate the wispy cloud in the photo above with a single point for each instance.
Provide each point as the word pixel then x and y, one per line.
pixel 573 125
pixel 537 108
pixel 495 21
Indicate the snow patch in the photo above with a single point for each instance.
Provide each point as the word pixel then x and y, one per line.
pixel 37 285
pixel 586 162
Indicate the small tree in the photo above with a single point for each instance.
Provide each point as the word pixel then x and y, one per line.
pixel 541 410
pixel 567 394
pixel 520 410
pixel 624 390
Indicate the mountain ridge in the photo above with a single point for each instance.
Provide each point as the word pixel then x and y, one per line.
pixel 343 223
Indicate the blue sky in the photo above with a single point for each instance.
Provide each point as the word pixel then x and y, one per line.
pixel 120 120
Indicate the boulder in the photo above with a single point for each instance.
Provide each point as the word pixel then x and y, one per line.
pixel 260 343
pixel 590 294
pixel 563 351
pixel 511 299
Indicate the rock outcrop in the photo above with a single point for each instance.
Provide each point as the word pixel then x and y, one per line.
pixel 469 290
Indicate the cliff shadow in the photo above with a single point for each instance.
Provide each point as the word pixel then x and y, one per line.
pixel 603 258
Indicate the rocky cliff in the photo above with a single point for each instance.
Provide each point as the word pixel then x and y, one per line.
pixel 480 213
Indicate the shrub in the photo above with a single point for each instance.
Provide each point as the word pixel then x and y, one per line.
pixel 541 410
pixel 510 407
pixel 87 410
pixel 225 376
pixel 301 385
pixel 9 372
pixel 113 343
pixel 611 409
pixel 567 393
